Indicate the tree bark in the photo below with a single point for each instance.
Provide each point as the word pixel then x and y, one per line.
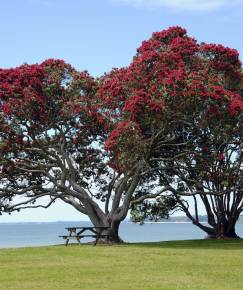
pixel 224 230
pixel 113 230
pixel 221 215
pixel 100 219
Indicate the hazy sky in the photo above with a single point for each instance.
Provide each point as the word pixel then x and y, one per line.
pixel 97 35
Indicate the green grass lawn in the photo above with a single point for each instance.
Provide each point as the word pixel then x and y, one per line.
pixel 197 265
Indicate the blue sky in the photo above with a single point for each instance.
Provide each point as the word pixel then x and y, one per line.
pixel 100 34
pixel 97 35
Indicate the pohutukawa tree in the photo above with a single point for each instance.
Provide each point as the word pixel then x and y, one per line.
pixel 52 132
pixel 178 107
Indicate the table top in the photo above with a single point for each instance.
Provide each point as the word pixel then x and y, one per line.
pixel 87 228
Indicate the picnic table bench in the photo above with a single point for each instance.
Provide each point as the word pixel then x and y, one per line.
pixel 84 232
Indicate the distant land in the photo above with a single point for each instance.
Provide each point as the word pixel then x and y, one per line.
pixel 176 219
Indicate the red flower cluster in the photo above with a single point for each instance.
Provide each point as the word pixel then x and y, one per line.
pixel 235 105
pixel 172 75
pixel 121 128
pixel 39 97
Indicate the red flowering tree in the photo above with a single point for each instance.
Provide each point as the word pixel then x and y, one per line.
pixel 52 132
pixel 178 106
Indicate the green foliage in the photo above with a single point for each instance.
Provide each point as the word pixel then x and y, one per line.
pixel 153 210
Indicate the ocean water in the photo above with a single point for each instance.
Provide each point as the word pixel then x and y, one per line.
pixel 41 234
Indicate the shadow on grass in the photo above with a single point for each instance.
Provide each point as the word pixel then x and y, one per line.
pixel 231 244
pixel 221 244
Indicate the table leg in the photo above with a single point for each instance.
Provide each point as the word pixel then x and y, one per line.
pixel 96 240
pixel 67 240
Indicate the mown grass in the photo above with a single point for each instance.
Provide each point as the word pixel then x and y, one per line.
pixel 190 265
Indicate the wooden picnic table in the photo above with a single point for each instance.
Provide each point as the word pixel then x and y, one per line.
pixel 83 232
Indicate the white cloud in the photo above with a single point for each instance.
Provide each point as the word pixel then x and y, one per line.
pixel 190 5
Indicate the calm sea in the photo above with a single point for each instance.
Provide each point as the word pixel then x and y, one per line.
pixel 41 234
